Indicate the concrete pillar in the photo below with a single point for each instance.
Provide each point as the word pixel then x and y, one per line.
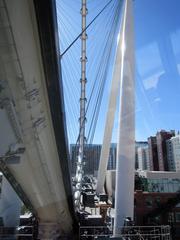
pixel 48 230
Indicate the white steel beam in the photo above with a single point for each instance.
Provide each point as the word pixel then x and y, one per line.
pixel 124 191
pixel 110 116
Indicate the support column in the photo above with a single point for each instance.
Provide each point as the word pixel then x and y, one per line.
pixel 124 193
pixel 48 230
pixel 110 116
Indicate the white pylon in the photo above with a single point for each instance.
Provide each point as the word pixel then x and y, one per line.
pixel 110 115
pixel 123 75
pixel 124 192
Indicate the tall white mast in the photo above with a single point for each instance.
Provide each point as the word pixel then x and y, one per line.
pixel 82 120
pixel 124 193
pixel 123 75
pixel 112 105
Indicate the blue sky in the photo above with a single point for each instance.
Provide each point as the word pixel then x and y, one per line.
pixel 157 38
pixel 157 51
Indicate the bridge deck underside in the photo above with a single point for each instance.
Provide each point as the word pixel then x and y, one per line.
pixel 26 115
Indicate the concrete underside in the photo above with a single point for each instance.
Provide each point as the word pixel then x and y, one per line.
pixel 24 101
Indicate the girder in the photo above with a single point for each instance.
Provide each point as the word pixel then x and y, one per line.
pixel 16 186
pixel 36 116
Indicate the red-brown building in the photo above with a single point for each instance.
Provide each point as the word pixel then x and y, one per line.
pixel 153 154
pixel 161 138
pixel 158 209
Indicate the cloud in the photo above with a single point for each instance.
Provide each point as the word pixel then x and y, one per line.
pixel 157 99
pixel 152 81
pixel 178 67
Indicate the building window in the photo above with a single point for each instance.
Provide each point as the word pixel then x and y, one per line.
pixel 170 217
pixel 158 201
pixel 149 202
pixel 178 217
pixel 135 202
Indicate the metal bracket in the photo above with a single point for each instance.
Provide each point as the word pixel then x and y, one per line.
pixel 16 186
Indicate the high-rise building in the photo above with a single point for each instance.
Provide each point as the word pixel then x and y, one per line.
pixel 143 158
pixel 146 150
pixel 170 155
pixel 173 149
pixel 161 138
pixel 92 154
pixel 112 157
pixel 139 144
pixel 153 154
pixel 156 154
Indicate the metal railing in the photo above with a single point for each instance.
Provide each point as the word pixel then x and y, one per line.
pixel 127 233
pixel 20 233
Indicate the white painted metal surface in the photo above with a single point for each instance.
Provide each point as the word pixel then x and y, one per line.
pixel 124 193
pixel 39 171
pixel 112 105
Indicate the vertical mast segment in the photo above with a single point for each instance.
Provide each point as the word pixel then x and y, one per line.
pixel 124 191
pixel 82 120
pixel 83 80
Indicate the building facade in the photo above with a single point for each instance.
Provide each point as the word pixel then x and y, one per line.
pixel 173 150
pixel 92 154
pixel 158 209
pixel 161 138
pixel 143 158
pixel 153 154
pixel 170 155
pixel 139 144
pixel 159 153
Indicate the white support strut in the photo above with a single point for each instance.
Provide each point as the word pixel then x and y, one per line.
pixel 124 191
pixel 110 115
